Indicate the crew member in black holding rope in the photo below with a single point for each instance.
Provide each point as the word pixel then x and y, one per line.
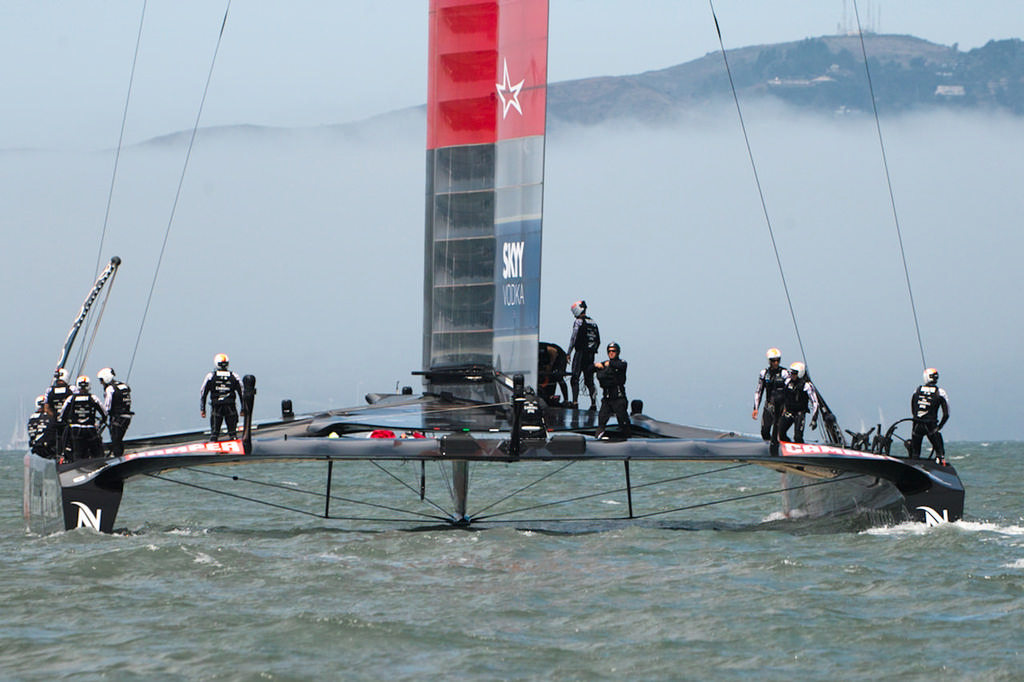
pixel 611 374
pixel 222 386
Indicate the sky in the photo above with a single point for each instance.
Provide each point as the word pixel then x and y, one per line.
pixel 309 62
pixel 323 319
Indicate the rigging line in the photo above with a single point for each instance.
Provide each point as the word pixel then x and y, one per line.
pixel 120 140
pixel 550 504
pixel 289 489
pixel 615 490
pixel 757 181
pixel 411 488
pixel 746 497
pixel 234 495
pixel 177 195
pixel 528 485
pixel 888 179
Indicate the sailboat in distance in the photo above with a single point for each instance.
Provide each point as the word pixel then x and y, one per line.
pixel 479 417
pixel 19 436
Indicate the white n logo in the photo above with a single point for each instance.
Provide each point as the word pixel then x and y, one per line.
pixel 932 518
pixel 87 518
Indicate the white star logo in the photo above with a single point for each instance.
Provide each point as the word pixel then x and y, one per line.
pixel 510 91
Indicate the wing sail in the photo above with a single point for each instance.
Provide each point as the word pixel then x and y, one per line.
pixel 486 113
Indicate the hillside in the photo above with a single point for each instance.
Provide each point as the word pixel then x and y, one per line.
pixel 826 74
pixel 823 74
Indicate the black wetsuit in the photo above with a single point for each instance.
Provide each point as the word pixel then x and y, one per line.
pixel 800 397
pixel 613 384
pixel 551 366
pixel 771 383
pixel 222 386
pixel 56 395
pixel 925 405
pixel 583 345
pixel 117 400
pixel 42 434
pixel 84 415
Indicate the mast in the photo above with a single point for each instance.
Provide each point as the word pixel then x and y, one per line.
pixel 486 110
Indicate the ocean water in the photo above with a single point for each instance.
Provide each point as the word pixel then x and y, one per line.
pixel 193 589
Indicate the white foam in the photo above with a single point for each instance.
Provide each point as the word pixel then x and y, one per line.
pixel 915 528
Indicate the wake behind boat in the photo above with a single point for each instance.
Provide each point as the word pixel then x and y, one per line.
pixel 487 93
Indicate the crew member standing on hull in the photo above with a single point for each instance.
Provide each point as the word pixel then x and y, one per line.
pixel 222 386
pixel 56 395
pixel 117 401
pixel 800 396
pixel 612 375
pixel 42 431
pixel 771 383
pixel 583 345
pixel 925 404
pixel 84 414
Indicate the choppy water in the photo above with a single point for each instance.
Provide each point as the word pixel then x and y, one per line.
pixel 200 595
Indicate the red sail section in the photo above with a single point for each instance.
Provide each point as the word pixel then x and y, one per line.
pixel 488 71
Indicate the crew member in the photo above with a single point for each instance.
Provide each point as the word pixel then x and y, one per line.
pixel 117 401
pixel 58 392
pixel 84 414
pixel 612 376
pixel 56 395
pixel 583 345
pixel 925 405
pixel 42 431
pixel 800 395
pixel 222 386
pixel 551 365
pixel 771 383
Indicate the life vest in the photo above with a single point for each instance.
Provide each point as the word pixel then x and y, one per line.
pixel 774 383
pixel 613 379
pixel 796 396
pixel 121 400
pixel 83 410
pixel 223 387
pixel 37 427
pixel 926 403
pixel 57 396
pixel 591 335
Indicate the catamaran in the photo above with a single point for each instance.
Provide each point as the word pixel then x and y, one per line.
pixel 479 407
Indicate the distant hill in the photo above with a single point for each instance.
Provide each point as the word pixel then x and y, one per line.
pixel 821 74
pixel 825 74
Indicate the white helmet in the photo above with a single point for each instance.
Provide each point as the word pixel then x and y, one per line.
pixel 578 308
pixel 931 375
pixel 83 382
pixel 40 399
pixel 63 375
pixel 774 354
pixel 221 360
pixel 798 368
pixel 105 375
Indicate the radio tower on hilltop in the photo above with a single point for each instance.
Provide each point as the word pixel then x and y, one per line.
pixel 871 21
